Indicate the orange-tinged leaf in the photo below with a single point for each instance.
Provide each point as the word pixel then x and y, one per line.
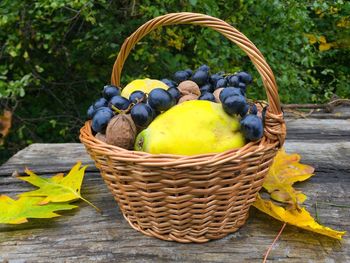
pixel 5 125
pixel 58 188
pixel 297 217
pixel 284 172
pixel 18 211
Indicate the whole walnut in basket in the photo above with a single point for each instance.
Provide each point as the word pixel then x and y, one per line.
pixel 121 131
pixel 189 87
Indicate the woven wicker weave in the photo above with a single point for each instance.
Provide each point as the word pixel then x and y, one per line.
pixel 189 198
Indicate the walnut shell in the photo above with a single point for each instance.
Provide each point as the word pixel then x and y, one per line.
pixel 189 87
pixel 216 94
pixel 101 137
pixel 121 131
pixel 187 97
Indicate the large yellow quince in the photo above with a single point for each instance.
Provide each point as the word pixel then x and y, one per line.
pixel 192 127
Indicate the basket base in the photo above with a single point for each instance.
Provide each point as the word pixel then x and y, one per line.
pixel 187 238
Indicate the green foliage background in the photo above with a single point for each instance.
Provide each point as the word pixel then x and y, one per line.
pixel 56 55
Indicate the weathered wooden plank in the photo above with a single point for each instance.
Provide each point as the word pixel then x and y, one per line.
pixel 58 156
pixel 312 129
pixel 85 236
pixel 47 158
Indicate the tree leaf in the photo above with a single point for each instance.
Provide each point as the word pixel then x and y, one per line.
pixel 324 46
pixel 18 211
pixel 284 172
pixel 297 217
pixel 312 38
pixel 58 188
pixel 5 125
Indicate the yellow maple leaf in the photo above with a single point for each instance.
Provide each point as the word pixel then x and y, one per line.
pixel 18 211
pixel 58 188
pixel 300 218
pixel 284 172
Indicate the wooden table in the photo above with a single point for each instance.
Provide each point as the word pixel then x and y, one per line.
pixel 83 235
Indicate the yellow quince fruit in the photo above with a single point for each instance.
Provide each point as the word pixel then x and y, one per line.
pixel 192 127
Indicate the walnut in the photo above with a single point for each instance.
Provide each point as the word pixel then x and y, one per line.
pixel 121 131
pixel 187 97
pixel 216 94
pixel 189 87
pixel 101 137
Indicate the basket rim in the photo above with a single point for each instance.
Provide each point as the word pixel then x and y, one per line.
pixel 156 160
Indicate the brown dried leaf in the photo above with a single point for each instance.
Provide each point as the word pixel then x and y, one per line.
pixel 5 125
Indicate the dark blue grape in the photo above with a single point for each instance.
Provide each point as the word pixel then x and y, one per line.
pixel 200 77
pixel 180 76
pixel 106 109
pixel 244 111
pixel 101 119
pixel 221 83
pixel 142 114
pixel 160 100
pixel 245 77
pixel 204 68
pixel 253 109
pixel 214 78
pixel 207 96
pixel 234 104
pixel 119 102
pixel 229 91
pixel 189 72
pixel 90 112
pixel 101 102
pixel 154 113
pixel 242 86
pixel 233 80
pixel 206 88
pixel 252 127
pixel 110 91
pixel 169 83
pixel 137 96
pixel 175 93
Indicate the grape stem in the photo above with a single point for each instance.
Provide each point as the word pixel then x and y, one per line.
pixel 118 111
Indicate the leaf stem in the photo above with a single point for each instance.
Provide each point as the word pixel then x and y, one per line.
pixel 87 201
pixel 273 243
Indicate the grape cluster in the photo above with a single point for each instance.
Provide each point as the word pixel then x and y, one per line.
pixel 143 107
pixel 228 89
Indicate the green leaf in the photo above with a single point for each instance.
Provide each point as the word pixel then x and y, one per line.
pixel 18 211
pixel 58 188
pixel 193 2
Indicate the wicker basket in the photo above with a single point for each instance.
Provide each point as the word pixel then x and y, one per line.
pixel 189 198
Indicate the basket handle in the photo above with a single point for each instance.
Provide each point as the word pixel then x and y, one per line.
pixel 230 33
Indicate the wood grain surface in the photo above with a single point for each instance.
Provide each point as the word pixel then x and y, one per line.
pixel 83 235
